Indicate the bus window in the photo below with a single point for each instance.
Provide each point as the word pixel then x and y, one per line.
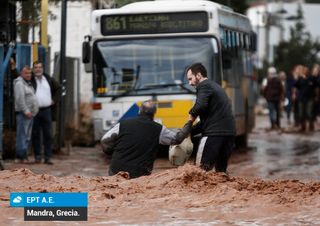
pixel 162 63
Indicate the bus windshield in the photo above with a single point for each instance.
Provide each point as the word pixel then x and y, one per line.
pixel 150 66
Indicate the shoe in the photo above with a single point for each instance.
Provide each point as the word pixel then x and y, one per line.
pixel 37 161
pixel 48 162
pixel 26 161
pixel 18 161
pixel 22 161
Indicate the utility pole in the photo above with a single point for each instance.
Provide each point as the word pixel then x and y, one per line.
pixel 281 26
pixel 267 37
pixel 62 77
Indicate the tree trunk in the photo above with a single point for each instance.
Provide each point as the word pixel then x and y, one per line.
pixel 25 18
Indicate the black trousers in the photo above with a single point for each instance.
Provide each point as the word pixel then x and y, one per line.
pixel 214 151
pixel 42 124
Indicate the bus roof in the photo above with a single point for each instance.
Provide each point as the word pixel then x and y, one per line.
pixel 174 4
pixel 165 5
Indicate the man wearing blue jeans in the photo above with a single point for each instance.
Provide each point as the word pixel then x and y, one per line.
pixel 26 107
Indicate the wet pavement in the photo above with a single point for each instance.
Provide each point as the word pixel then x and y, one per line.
pixel 279 154
pixel 271 155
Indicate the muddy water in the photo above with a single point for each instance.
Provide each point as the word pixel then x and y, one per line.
pixel 279 155
pixel 274 182
pixel 271 155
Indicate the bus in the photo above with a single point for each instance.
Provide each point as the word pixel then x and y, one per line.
pixel 141 51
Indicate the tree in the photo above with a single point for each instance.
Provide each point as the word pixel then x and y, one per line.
pixel 30 11
pixel 120 3
pixel 30 17
pixel 299 49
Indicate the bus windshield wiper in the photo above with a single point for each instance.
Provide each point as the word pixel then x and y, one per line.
pixel 155 86
pixel 183 86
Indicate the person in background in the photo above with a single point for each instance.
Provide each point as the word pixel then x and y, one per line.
pixel 284 102
pixel 26 108
pixel 135 142
pixel 306 86
pixel 296 72
pixel 13 68
pixel 316 75
pixel 48 94
pixel 288 95
pixel 274 93
pixel 216 125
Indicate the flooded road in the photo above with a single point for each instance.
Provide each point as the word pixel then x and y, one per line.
pixel 271 155
pixel 278 155
pixel 273 182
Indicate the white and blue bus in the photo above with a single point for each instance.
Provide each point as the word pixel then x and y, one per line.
pixel 141 51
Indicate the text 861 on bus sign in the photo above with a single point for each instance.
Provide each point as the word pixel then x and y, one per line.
pixel 154 23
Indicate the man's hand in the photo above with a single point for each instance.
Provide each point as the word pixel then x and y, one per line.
pixel 191 118
pixel 29 115
pixel 12 64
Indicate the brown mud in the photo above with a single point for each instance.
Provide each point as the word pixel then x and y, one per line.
pixel 179 196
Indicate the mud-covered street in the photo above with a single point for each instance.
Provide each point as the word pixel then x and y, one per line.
pixel 279 155
pixel 274 181
pixel 270 155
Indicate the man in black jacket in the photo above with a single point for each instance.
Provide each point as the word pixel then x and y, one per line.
pixel 135 142
pixel 216 125
pixel 48 93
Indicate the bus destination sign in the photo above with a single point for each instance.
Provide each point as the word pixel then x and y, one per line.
pixel 155 23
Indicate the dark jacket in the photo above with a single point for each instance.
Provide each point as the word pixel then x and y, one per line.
pixel 55 89
pixel 135 144
pixel 274 91
pixel 214 109
pixel 307 88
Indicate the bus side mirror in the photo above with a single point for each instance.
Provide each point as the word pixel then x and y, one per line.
pixel 86 52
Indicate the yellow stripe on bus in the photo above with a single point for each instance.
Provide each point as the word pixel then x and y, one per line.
pixel 173 114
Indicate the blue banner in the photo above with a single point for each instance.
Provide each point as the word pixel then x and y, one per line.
pixel 31 199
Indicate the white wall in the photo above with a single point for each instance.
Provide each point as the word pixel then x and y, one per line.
pixel 78 25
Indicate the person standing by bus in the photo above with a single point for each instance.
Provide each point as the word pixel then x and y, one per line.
pixel 217 124
pixel 48 94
